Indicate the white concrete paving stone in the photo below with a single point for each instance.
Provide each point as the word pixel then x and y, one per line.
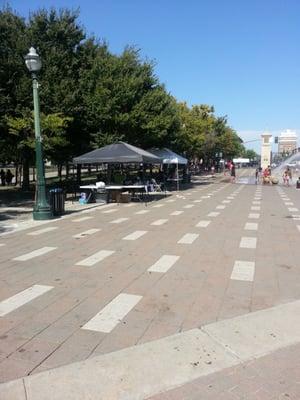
pixel 255 208
pixel 95 258
pixel 135 235
pixel 248 242
pixel 86 233
pixel 35 253
pixel 22 298
pixel 142 212
pixel 230 197
pixel 189 206
pixel 205 197
pixel 243 271
pixel 256 202
pixel 113 313
pixel 289 203
pixel 176 212
pixel 110 211
pixel 259 333
pixel 158 205
pixel 188 238
pixel 226 201
pixel 159 222
pixel 2 244
pixel 213 214
pixel 253 216
pixel 163 264
pixel 197 201
pixel 41 231
pixel 81 219
pixel 298 227
pixel 119 220
pixel 169 361
pixel 296 217
pixel 134 373
pixel 203 224
pixel 170 201
pixel 293 209
pixel 220 207
pixel 251 226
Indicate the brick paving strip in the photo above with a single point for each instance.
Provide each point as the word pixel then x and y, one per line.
pixel 145 370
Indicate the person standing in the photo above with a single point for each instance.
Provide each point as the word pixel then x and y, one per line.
pixel 2 177
pixel 8 177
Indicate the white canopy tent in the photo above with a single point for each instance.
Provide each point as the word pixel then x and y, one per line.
pixel 170 157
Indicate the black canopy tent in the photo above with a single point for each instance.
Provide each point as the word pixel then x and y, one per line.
pixel 119 152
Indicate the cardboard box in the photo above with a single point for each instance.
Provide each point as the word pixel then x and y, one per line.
pixel 125 198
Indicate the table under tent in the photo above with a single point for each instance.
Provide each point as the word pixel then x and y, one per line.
pixel 169 157
pixel 117 153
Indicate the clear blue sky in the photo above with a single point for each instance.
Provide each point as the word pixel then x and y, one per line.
pixel 242 56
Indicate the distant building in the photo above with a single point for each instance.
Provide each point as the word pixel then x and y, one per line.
pixel 265 150
pixel 287 142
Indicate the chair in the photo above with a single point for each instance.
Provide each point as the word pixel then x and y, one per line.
pixel 155 186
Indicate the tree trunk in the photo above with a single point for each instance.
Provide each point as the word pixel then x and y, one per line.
pixel 25 183
pixel 78 178
pixel 17 174
pixel 59 170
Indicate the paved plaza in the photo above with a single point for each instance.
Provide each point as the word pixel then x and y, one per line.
pixel 193 296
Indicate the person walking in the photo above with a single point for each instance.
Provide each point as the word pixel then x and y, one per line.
pixel 286 178
pixel 2 177
pixel 232 173
pixel 257 175
pixel 289 171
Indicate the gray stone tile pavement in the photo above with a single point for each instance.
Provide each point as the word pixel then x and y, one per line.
pixel 197 290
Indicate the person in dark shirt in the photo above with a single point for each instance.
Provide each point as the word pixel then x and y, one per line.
pixel 2 177
pixel 8 177
pixel 232 173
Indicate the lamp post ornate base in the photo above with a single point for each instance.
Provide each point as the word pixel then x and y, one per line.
pixel 42 214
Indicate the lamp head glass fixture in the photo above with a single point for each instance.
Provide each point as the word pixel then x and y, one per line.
pixel 33 60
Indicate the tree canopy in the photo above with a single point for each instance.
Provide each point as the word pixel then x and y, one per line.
pixel 91 97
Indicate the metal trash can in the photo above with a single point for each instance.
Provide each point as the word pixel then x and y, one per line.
pixel 57 201
pixel 101 196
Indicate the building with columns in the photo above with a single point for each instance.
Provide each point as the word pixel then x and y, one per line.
pixel 287 141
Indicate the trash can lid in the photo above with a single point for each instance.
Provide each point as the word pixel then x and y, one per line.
pixel 56 190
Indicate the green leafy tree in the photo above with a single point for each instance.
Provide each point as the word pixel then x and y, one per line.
pixel 123 99
pixel 251 154
pixel 54 138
